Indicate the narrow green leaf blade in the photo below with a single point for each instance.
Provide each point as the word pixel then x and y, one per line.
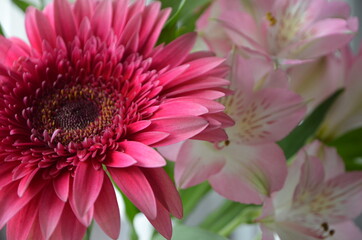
pixel 181 232
pixel 22 4
pixel 307 129
pixel 229 216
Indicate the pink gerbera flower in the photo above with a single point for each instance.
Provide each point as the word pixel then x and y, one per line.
pixel 88 99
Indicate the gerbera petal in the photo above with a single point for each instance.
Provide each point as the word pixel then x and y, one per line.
pixel 87 185
pixel 35 231
pixel 162 222
pixel 136 187
pixel 11 203
pixel 6 175
pixel 102 19
pixel 172 74
pixel 31 28
pixel 180 128
pixel 157 28
pixel 45 30
pixel 165 191
pixel 150 15
pixel 106 211
pixel 183 109
pixel 143 154
pixel 197 68
pixel 119 16
pixel 181 46
pixel 61 186
pixel 20 225
pixel 64 20
pixel 69 227
pixel 149 138
pixel 25 181
pixel 83 9
pixel 119 160
pixel 132 28
pixel 50 211
pixel 10 51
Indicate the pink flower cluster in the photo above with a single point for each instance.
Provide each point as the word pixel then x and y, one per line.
pixel 286 57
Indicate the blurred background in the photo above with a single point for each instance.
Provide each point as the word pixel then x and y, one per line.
pixel 12 21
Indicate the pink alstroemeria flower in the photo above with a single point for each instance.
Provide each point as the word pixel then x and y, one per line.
pixel 346 113
pixel 318 201
pixel 88 99
pixel 281 29
pixel 317 80
pixel 250 165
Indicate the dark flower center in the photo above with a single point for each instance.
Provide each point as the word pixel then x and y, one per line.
pixel 75 113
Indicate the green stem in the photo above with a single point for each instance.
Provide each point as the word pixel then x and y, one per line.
pixel 88 232
pixel 246 217
pixel 229 216
pixel 133 235
pixel 192 196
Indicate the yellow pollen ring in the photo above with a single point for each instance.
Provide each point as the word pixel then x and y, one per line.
pixel 272 20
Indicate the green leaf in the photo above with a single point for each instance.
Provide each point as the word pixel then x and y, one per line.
pixel 307 129
pixel 183 18
pixel 229 216
pixel 1 30
pixel 349 147
pixel 22 4
pixel 192 196
pixel 169 168
pixel 181 232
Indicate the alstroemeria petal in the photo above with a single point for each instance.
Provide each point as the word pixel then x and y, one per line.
pixel 331 34
pixel 251 172
pixel 267 115
pixel 196 162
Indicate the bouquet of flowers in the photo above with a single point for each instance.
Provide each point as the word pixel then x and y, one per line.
pixel 157 105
